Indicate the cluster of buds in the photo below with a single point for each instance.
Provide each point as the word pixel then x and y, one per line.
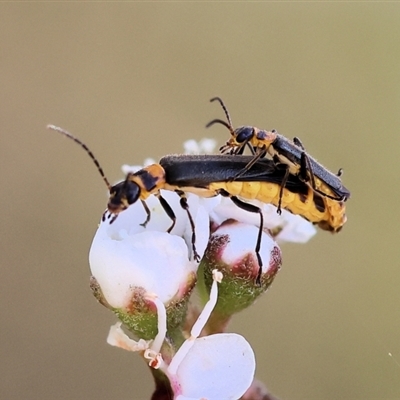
pixel 147 276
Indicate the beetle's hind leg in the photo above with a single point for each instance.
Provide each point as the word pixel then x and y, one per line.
pixel 254 209
pixel 185 206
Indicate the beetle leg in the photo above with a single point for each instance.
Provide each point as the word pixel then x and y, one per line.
pixel 167 208
pixel 254 209
pixel 305 165
pixel 251 148
pixel 148 213
pixel 260 152
pixel 283 184
pixel 336 198
pixel 305 168
pixel 298 143
pixel 240 149
pixel 185 206
pixel 306 172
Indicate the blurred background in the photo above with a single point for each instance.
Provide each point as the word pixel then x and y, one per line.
pixel 133 80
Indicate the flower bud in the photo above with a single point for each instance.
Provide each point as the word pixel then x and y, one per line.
pixel 231 250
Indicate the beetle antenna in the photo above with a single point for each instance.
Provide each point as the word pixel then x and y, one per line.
pixel 88 151
pixel 228 117
pixel 219 121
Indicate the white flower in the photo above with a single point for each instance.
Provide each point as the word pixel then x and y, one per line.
pixel 295 229
pixel 204 146
pixel 125 255
pixel 118 338
pixel 219 366
pixel 156 261
pixel 126 168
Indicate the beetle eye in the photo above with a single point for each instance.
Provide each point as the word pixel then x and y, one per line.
pixel 122 195
pixel 244 134
pixel 132 192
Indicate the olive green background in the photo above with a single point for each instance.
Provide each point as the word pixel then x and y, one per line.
pixel 133 80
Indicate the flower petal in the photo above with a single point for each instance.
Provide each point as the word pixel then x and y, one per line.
pixel 156 261
pixel 219 366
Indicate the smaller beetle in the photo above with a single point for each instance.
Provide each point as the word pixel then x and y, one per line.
pixel 285 151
